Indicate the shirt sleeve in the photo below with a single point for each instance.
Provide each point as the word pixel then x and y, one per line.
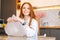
pixel 33 30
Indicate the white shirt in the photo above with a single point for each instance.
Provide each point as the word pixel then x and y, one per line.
pixel 29 31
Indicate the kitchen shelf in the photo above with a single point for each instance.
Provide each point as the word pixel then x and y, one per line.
pixel 50 27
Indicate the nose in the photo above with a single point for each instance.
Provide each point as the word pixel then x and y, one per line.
pixel 25 10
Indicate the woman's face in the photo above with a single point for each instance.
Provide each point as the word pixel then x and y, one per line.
pixel 26 10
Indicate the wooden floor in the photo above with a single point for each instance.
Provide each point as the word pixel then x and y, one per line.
pixel 26 38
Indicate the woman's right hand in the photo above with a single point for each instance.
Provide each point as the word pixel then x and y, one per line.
pixel 9 19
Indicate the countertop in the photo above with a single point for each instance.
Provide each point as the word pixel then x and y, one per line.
pixel 26 38
pixel 50 27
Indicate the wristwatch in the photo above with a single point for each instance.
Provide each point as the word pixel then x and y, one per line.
pixel 24 23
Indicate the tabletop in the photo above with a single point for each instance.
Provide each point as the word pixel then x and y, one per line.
pixel 26 38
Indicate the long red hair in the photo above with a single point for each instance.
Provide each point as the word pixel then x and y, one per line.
pixel 32 15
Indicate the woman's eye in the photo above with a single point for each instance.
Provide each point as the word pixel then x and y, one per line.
pixel 28 8
pixel 23 7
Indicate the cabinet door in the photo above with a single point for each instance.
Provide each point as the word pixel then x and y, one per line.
pixel 45 31
pixel 2 31
pixel 8 8
pixel 0 8
pixel 55 33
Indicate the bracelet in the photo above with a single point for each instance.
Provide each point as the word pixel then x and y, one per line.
pixel 24 23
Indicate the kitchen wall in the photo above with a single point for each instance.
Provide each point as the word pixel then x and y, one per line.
pixel 52 18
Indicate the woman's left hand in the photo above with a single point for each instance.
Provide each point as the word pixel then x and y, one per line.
pixel 15 19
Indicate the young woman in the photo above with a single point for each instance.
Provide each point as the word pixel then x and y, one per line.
pixel 28 20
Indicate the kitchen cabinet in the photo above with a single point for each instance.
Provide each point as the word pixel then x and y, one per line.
pixel 51 32
pixel 8 8
pixel 45 31
pixel 2 32
pixel 0 8
pixel 55 33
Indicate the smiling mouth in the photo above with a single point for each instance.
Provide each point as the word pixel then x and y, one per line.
pixel 25 11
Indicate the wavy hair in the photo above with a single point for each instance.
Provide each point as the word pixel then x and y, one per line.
pixel 32 15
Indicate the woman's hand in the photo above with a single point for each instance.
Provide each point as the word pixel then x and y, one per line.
pixel 20 20
pixel 9 19
pixel 15 19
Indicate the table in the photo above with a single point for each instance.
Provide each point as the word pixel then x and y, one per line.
pixel 26 38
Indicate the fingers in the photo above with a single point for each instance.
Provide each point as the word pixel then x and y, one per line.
pixel 9 19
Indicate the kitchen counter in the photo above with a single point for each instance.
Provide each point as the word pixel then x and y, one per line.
pixel 50 27
pixel 26 38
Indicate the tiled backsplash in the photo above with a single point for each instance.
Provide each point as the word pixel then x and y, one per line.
pixel 51 18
